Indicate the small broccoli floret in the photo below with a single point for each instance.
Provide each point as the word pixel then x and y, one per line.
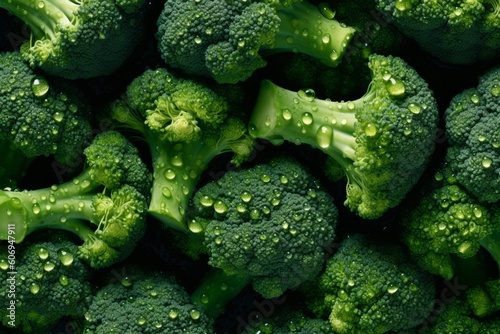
pixel 226 40
pixel 37 118
pixel 79 39
pixel 383 140
pixel 50 282
pixel 185 125
pixel 456 31
pixel 104 206
pixel 472 123
pixel 370 286
pixel 145 302
pixel 269 225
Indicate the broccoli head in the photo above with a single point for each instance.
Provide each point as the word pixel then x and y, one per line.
pixel 79 39
pixel 383 140
pixel 185 124
pixel 144 302
pixel 370 286
pixel 105 205
pixel 454 31
pixel 472 123
pixel 50 282
pixel 270 225
pixel 226 40
pixel 37 118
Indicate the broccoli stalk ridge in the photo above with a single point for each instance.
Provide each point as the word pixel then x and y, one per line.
pixel 310 30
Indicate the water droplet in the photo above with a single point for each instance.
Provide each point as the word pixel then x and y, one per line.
pixel 474 98
pixel 224 286
pixel 283 179
pixel 39 86
pixel 334 55
pixel 195 314
pixel 394 86
pixel 342 294
pixel 195 226
pixel 42 253
pixel 326 38
pixel 370 130
pixel 4 265
pixel 464 247
pixel 324 136
pixel 265 178
pixel 170 174
pixel 478 213
pixel 392 289
pixel 41 5
pixel 402 5
pixel 65 257
pixel 36 208
pixel 290 40
pixel 307 118
pixel 246 196
pixel 34 288
pixel 173 313
pixel 126 281
pixel 254 214
pixel 326 11
pixel 204 298
pixel 197 40
pixel 141 321
pixel 414 108
pixel 177 160
pixel 495 90
pixel 49 266
pixel 166 192
pixel 307 94
pixel 63 280
pixel 286 114
pixel 220 207
pixel 486 162
pixel 481 138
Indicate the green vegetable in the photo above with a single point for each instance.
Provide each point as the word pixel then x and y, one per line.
pixel 79 39
pixel 104 206
pixel 383 140
pixel 226 40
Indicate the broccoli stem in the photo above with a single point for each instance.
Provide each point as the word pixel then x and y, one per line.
pixel 13 164
pixel 216 290
pixel 44 17
pixel 304 28
pixel 280 114
pixel 54 207
pixel 492 244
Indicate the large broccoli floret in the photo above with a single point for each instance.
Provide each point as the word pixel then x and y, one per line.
pixel 269 225
pixel 105 206
pixel 383 140
pixel 472 123
pixel 185 125
pixel 145 302
pixel 79 39
pixel 47 282
pixel 37 118
pixel 370 286
pixel 227 39
pixel 454 31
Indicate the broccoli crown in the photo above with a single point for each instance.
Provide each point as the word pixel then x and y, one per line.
pixel 473 119
pixel 76 40
pixel 111 194
pixel 50 282
pixel 456 31
pixel 288 322
pixel 271 223
pixel 185 125
pixel 38 118
pixel 145 303
pixel 223 39
pixel 370 137
pixel 371 287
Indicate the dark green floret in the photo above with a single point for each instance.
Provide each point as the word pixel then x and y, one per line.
pixel 37 118
pixel 79 39
pixel 144 302
pixel 227 40
pixel 383 140
pixel 185 125
pixel 105 206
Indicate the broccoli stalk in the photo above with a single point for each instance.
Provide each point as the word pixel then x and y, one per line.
pixel 110 194
pixel 185 128
pixel 369 137
pixel 78 39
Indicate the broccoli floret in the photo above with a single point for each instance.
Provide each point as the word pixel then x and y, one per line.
pixel 370 286
pixel 145 302
pixel 226 40
pixel 37 118
pixel 383 140
pixel 185 125
pixel 50 282
pixel 79 39
pixel 472 123
pixel 455 31
pixel 269 225
pixel 110 194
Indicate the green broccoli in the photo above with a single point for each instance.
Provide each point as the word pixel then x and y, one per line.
pixel 226 40
pixel 383 140
pixel 185 125
pixel 472 123
pixel 37 118
pixel 79 39
pixel 370 286
pixel 269 225
pixel 110 194
pixel 50 282
pixel 454 31
pixel 144 302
